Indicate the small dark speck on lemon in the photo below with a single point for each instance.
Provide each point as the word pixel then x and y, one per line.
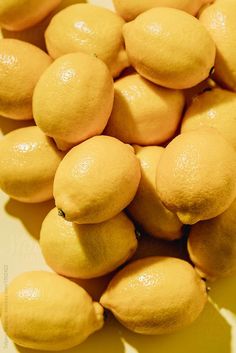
pixel 61 213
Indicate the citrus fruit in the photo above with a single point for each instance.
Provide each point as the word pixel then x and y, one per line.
pixel 170 48
pixel 155 295
pixel 144 113
pixel 96 180
pixel 44 311
pixel 28 163
pixel 73 99
pixel 196 175
pixel 86 250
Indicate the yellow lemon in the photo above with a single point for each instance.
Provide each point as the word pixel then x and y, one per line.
pixel 170 47
pixel 21 65
pixel 215 108
pixel 96 180
pixel 89 29
pixel 132 8
pixel 73 99
pixel 28 163
pixel 16 15
pixel 44 311
pixel 196 175
pixel 155 295
pixel 212 245
pixel 87 250
pixel 146 207
pixel 144 113
pixel 219 20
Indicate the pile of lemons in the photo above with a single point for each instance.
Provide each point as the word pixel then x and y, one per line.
pixel 133 125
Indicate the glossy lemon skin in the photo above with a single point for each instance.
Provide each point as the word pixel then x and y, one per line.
pixel 212 245
pixel 19 76
pixel 215 108
pixel 156 295
pixel 28 163
pixel 16 15
pixel 44 311
pixel 96 180
pixel 87 250
pixel 66 106
pixel 196 175
pixel 146 207
pixel 153 37
pixel 144 113
pixel 89 29
pixel 132 8
pixel 219 20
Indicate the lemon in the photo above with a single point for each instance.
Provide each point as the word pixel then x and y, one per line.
pixel 18 76
pixel 17 15
pixel 132 8
pixel 219 20
pixel 86 250
pixel 28 163
pixel 146 207
pixel 73 99
pixel 89 29
pixel 155 295
pixel 144 113
pixel 212 245
pixel 216 108
pixel 196 175
pixel 96 180
pixel 170 48
pixel 44 311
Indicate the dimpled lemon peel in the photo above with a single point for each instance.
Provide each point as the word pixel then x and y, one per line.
pixel 156 295
pixel 215 108
pixel 86 250
pixel 19 76
pixel 73 99
pixel 219 20
pixel 132 8
pixel 153 37
pixel 96 180
pixel 196 175
pixel 89 29
pixel 212 245
pixel 144 113
pixel 28 163
pixel 44 311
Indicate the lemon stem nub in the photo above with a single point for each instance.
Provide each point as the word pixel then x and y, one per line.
pixel 61 213
pixel 212 71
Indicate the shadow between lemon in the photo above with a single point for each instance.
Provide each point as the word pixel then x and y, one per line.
pixel 8 125
pixel 30 215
